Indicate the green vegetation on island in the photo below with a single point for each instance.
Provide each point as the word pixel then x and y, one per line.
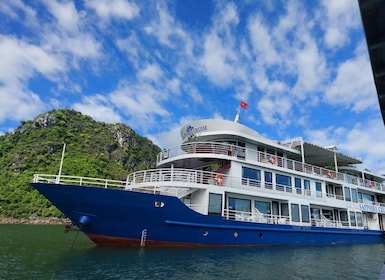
pixel 93 149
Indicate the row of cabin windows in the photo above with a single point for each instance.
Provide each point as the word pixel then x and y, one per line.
pixel 252 177
pixel 355 196
pixel 299 213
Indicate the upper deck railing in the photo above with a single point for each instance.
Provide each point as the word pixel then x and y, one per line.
pixel 176 181
pixel 180 182
pixel 254 156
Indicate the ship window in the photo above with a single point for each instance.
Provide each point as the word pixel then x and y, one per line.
pixel 315 214
pixel 359 196
pixel 318 189
pixel 295 212
pixel 251 176
pixel 359 219
pixel 347 194
pixel 306 187
pixel 339 192
pixel 268 180
pixel 352 218
pixel 283 182
pixel 327 213
pixel 263 206
pixel 241 150
pixel 239 204
pixel 344 218
pixel 285 210
pixel 298 185
pixel 354 195
pixel 367 196
pixel 215 204
pixel 305 213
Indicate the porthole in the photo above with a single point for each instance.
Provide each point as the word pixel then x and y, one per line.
pixel 205 233
pixel 159 204
pixel 235 234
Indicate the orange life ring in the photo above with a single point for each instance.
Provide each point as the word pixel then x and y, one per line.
pixel 330 174
pixel 273 160
pixel 219 179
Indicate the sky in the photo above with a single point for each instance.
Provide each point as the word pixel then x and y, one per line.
pixel 301 66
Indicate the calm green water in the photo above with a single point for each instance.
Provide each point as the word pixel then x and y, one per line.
pixel 44 252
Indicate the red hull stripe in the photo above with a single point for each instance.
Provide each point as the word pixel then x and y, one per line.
pixel 108 241
pixel 102 240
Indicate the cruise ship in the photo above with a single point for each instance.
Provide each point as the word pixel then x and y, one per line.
pixel 227 185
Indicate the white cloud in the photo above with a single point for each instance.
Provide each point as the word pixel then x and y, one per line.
pixel 110 9
pixel 132 47
pixel 353 86
pixel 173 86
pixel 99 108
pixel 142 103
pixel 168 31
pixel 65 14
pixel 68 36
pixel 228 16
pixel 18 103
pixel 217 60
pixel 275 109
pixel 150 72
pixel 262 42
pixel 172 137
pixel 341 16
pixel 311 69
pixel 193 93
pixel 17 10
pixel 20 61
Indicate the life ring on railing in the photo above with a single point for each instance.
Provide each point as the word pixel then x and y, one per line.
pixel 220 179
pixel 330 174
pixel 273 160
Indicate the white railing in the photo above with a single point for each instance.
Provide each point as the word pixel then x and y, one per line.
pixel 167 181
pixel 233 151
pixel 181 182
pixel 77 180
pixel 257 217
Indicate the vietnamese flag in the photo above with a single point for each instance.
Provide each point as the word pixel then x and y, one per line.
pixel 243 104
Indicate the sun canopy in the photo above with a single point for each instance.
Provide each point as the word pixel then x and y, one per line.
pixel 320 156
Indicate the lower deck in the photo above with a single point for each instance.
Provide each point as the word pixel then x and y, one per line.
pixel 270 211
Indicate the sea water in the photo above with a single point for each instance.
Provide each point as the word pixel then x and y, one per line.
pixel 46 252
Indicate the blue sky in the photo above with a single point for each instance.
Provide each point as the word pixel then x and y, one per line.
pixel 301 66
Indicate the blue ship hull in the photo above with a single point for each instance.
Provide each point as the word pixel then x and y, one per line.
pixel 112 217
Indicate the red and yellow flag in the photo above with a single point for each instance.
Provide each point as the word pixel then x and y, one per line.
pixel 243 104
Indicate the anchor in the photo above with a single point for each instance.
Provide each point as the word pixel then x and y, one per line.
pixel 83 221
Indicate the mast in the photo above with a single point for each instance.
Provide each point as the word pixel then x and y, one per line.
pixel 236 119
pixel 61 164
